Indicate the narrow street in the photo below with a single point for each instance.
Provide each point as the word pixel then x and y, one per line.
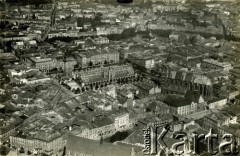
pixel 52 22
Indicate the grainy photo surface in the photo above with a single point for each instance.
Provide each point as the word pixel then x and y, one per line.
pixel 119 77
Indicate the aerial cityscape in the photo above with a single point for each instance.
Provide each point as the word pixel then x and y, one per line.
pixel 119 77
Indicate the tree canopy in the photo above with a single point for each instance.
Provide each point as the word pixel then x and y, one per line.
pixel 4 150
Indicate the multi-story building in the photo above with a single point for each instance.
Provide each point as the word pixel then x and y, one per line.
pixel 105 74
pixel 14 38
pixel 96 57
pixel 230 129
pixel 141 56
pixel 8 127
pixel 165 7
pixel 158 108
pixel 45 64
pixel 217 103
pixel 142 61
pixel 49 63
pixel 26 76
pixel 188 104
pixel 101 40
pixel 215 120
pixel 222 121
pixel 68 23
pixel 102 126
pixel 105 126
pixel 69 64
pixel 213 64
pixel 107 30
pixel 121 121
pixel 40 136
pixel 50 146
pixel 170 1
pixel 146 89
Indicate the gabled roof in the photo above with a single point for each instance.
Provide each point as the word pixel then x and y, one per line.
pixel 145 86
pixel 189 76
pixel 217 99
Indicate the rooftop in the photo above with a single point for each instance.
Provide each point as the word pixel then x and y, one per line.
pixel 217 63
pixel 8 123
pixel 178 101
pixel 189 76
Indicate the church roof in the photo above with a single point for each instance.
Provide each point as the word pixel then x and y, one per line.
pixel 189 76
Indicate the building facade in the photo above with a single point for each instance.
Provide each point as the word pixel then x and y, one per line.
pixel 50 147
pixel 105 74
pixel 47 64
pixel 106 127
pixel 214 64
pixel 96 57
pixel 188 104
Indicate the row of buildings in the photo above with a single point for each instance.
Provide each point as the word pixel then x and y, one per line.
pixel 105 74
pixel 46 64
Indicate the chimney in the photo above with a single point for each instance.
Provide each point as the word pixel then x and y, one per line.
pixel 70 128
pixel 93 119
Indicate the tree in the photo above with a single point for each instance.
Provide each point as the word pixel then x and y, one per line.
pixel 126 80
pixel 29 152
pixel 101 139
pixel 22 150
pixel 77 91
pixel 90 63
pixel 4 150
pixel 105 62
pixel 97 86
pixel 91 85
pixel 83 89
pixel 127 33
pixel 193 40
